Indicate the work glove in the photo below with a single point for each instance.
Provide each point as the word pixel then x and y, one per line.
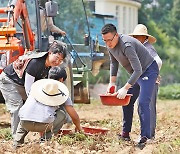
pixel 111 88
pixel 121 93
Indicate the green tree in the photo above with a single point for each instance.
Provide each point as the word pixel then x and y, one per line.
pixel 156 10
pixel 174 23
pixel 163 19
pixel 72 19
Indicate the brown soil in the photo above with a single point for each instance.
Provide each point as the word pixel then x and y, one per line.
pixel 95 114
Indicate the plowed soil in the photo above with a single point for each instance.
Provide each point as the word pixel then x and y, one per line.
pixel 167 138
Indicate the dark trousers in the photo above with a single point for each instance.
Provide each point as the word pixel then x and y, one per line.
pixel 153 110
pixel 144 89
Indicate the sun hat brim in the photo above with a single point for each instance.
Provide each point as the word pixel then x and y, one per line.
pixel 151 38
pixel 40 96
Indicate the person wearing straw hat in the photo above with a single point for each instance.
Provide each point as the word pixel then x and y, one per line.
pixel 59 73
pixel 141 33
pixel 143 70
pixel 41 112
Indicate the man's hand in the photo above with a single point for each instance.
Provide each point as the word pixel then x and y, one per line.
pixel 158 80
pixel 121 93
pixel 79 129
pixel 63 33
pixel 111 88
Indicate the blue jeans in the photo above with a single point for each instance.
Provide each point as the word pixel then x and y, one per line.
pixel 153 110
pixel 144 89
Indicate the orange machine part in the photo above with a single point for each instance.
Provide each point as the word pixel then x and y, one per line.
pixel 4 10
pixel 13 44
pixel 7 31
pixel 3 19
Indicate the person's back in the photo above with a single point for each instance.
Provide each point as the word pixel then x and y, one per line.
pixel 33 110
pixel 143 56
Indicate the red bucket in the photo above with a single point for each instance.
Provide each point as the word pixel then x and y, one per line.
pixel 111 100
pixel 92 130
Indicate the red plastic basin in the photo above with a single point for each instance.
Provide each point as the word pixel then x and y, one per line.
pixel 114 101
pixel 92 130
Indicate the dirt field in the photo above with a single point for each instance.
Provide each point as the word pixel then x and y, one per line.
pixel 95 114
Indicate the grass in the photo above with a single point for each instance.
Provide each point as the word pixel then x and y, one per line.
pixel 5 133
pixel 168 148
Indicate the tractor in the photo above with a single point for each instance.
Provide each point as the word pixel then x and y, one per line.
pixel 20 32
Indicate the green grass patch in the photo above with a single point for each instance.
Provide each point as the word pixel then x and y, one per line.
pixel 5 133
pixel 169 147
pixel 170 92
pixel 71 138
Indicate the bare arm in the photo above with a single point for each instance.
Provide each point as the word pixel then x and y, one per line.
pixel 54 28
pixel 74 116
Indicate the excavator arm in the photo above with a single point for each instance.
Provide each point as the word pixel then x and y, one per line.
pixel 11 45
pixel 20 12
pixel 17 10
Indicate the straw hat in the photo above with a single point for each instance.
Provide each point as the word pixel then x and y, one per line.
pixel 141 30
pixel 49 92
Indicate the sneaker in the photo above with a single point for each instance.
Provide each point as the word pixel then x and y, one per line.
pixel 124 138
pixel 142 142
pixel 17 145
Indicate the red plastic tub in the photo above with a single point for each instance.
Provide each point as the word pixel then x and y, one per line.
pixel 92 130
pixel 110 100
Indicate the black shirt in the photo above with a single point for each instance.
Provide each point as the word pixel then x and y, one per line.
pixel 36 68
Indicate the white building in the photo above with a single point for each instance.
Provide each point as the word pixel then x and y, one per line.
pixel 126 12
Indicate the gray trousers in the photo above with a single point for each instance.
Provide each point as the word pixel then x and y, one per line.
pixel 14 95
pixel 25 126
pixel 153 110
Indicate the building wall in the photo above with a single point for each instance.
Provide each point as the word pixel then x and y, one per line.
pixel 126 12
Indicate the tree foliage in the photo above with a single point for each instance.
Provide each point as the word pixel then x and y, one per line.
pixel 174 31
pixel 162 18
pixel 72 19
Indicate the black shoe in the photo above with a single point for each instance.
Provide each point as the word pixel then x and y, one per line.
pixel 124 138
pixel 141 144
pixel 17 145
